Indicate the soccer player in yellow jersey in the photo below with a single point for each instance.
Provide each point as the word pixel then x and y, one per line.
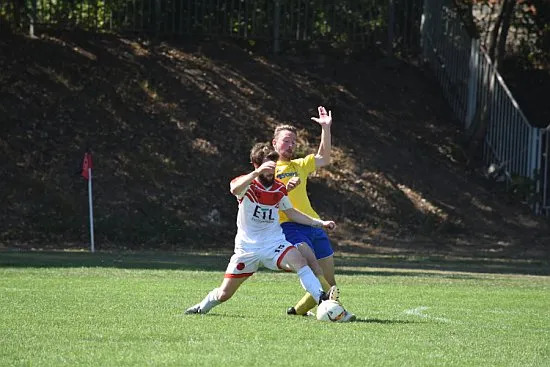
pixel 294 173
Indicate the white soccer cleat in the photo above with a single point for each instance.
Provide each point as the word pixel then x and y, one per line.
pixel 333 294
pixel 193 310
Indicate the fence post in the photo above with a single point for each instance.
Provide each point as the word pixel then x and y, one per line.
pixel 32 19
pixel 472 82
pixel 534 164
pixel 276 26
pixel 545 187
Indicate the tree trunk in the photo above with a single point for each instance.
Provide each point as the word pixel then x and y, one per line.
pixel 17 6
pixel 493 39
pixel 496 51
pixel 507 16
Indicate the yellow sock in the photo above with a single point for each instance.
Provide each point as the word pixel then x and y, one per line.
pixel 308 302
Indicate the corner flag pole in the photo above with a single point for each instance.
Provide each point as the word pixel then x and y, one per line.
pixel 87 174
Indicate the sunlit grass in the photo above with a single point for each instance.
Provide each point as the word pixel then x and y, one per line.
pixel 128 310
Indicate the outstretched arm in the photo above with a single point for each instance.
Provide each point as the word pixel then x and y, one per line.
pixel 299 217
pixel 322 158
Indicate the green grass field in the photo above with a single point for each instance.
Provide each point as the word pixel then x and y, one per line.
pixel 127 310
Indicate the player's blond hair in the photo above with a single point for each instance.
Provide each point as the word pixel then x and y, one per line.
pixel 283 127
pixel 262 151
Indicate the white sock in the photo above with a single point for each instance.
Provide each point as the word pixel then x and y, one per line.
pixel 310 282
pixel 210 301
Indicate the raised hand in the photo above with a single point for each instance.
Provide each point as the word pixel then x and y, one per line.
pixel 266 168
pixel 324 119
pixel 292 183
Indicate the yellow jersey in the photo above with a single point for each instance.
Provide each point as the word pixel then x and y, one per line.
pixel 300 167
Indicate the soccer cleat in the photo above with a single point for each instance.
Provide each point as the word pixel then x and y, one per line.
pixel 193 310
pixel 332 294
pixel 292 311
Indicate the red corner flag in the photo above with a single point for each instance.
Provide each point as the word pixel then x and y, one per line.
pixel 86 165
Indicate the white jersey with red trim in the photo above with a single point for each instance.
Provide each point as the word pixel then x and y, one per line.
pixel 258 215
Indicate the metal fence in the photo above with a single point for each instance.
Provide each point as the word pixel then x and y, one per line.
pixel 471 84
pixel 510 140
pixel 390 24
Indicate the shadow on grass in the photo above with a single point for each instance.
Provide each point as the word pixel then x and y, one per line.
pixel 214 314
pixel 434 265
pixel 145 260
pixel 378 321
pixel 358 320
pixel 370 265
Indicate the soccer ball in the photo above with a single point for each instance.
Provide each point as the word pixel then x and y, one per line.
pixel 330 311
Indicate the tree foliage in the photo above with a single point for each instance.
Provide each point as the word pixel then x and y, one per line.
pixel 510 27
pixel 344 21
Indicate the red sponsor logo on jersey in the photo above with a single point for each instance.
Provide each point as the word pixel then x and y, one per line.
pixel 240 266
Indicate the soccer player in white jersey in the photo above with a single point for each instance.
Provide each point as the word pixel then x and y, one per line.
pixel 260 239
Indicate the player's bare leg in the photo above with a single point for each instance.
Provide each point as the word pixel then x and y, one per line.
pixel 217 296
pixel 309 255
pixel 229 287
pixel 327 266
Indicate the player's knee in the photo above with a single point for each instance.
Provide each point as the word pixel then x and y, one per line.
pixel 298 263
pixel 317 271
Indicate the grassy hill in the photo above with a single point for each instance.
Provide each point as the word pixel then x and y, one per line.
pixel 170 123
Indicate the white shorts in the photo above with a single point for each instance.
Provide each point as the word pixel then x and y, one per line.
pixel 246 261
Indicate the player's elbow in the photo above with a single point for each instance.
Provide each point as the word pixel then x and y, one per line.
pixel 290 213
pixel 323 161
pixel 233 188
